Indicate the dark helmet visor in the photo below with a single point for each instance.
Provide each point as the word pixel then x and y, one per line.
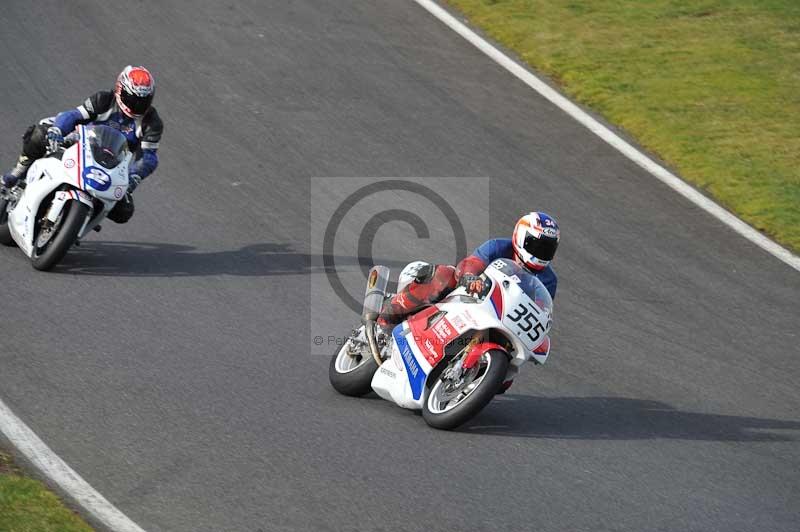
pixel 543 248
pixel 137 104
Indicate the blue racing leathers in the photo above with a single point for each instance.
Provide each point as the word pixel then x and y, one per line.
pixel 502 248
pixel 143 133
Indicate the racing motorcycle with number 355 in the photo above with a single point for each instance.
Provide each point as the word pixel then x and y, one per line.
pixel 451 358
pixel 66 195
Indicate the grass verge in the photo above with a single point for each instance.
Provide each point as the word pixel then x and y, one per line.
pixel 710 86
pixel 26 505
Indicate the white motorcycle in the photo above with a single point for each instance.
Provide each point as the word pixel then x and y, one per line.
pixel 65 195
pixel 451 358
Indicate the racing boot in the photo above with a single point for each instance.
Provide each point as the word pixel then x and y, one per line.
pixel 384 326
pixel 9 180
pixel 19 171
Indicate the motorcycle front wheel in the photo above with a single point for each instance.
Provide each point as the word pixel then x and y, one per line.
pixel 5 233
pixel 352 367
pixel 449 404
pixel 52 241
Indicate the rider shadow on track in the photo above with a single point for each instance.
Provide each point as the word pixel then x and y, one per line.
pixel 143 259
pixel 618 418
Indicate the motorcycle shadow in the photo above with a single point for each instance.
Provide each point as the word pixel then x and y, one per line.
pixel 618 418
pixel 145 259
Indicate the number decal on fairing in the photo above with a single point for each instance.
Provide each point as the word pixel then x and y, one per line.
pixel 97 178
pixel 98 175
pixel 498 264
pixel 527 318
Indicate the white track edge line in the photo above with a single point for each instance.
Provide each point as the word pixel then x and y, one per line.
pixel 658 171
pixel 49 464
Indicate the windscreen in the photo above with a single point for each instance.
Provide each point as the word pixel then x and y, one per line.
pixel 528 282
pixel 109 146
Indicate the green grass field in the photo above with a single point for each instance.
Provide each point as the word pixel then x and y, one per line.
pixel 27 506
pixel 710 86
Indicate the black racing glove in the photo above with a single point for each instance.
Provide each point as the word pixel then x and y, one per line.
pixel 133 182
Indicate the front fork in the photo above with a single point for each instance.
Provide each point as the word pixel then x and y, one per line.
pixel 462 360
pixel 62 197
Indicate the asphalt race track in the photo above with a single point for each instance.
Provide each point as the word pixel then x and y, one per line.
pixel 167 361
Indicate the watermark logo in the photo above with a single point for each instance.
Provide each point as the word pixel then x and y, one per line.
pixel 357 223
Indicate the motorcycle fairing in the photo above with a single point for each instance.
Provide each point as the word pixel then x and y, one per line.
pixel 416 375
pixel 107 186
pixel 432 332
pixel 496 299
pixel 401 379
pixel 44 176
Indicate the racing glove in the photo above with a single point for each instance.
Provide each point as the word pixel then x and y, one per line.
pixel 133 182
pixel 71 139
pixel 472 282
pixel 55 138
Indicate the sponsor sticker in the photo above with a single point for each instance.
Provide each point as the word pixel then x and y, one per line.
pixel 470 318
pixel 119 192
pixel 69 163
pixel 429 346
pixel 411 362
pixel 443 330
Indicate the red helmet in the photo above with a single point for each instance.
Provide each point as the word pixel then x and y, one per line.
pixel 134 91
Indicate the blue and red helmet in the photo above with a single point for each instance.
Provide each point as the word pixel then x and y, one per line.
pixel 535 240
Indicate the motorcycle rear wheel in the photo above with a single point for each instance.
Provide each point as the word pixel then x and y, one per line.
pixel 448 409
pixel 65 233
pixel 352 375
pixel 5 233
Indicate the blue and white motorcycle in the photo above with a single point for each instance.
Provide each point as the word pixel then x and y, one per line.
pixel 65 195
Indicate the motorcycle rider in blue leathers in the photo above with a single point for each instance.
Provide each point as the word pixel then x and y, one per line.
pixel 532 245
pixel 127 108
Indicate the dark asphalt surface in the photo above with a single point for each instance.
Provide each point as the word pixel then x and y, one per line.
pixel 167 360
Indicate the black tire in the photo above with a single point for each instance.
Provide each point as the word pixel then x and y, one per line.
pixel 64 238
pixel 355 382
pixel 472 404
pixel 5 233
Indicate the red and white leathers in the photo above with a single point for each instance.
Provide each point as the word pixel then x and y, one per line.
pixel 431 287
